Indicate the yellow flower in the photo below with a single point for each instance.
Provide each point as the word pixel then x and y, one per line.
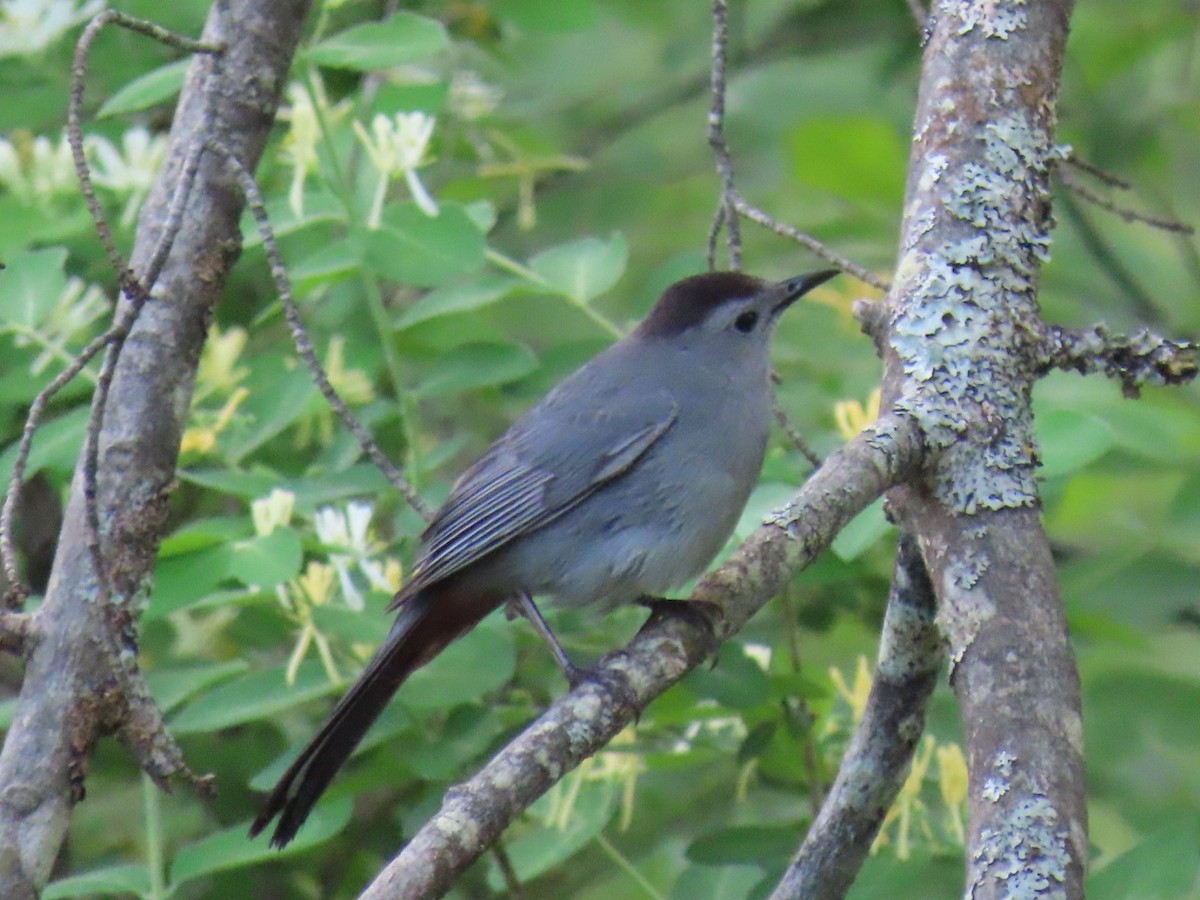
pixel 857 694
pixel 852 417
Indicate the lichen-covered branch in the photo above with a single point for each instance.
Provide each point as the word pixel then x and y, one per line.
pixel 876 762
pixel 1137 359
pixel 965 345
pixel 80 681
pixel 475 814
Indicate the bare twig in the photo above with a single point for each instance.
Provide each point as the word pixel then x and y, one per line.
pixel 716 139
pixel 793 433
pixel 876 762
pixel 754 214
pixel 304 347
pixel 1129 215
pixel 920 16
pixel 675 640
pixel 17 630
pixel 1114 181
pixel 137 291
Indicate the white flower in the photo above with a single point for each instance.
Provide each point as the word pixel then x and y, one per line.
pixel 129 172
pixel 272 511
pixel 471 97
pixel 77 307
pixel 30 26
pixel 396 146
pixel 350 531
pixel 304 135
pixel 37 170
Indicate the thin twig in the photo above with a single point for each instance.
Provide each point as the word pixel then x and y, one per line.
pixel 920 16
pixel 300 338
pixel 1129 215
pixel 754 214
pixel 793 433
pixel 136 290
pixel 716 140
pixel 1096 172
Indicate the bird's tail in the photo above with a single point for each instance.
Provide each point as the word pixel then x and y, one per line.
pixel 427 622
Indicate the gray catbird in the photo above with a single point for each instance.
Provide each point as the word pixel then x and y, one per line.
pixel 625 481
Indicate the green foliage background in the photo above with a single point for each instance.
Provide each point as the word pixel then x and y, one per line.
pixel 569 198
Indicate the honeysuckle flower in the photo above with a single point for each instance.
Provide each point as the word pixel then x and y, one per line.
pixel 131 170
pixel 77 307
pixel 852 417
pixel 471 97
pixel 396 147
pixel 30 26
pixel 36 169
pixel 272 511
pixel 349 530
pixel 304 113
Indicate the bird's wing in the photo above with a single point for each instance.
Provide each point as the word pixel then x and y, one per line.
pixel 546 464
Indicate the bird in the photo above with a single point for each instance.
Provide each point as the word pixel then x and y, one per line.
pixel 623 482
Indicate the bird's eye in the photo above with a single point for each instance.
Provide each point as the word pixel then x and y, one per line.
pixel 746 321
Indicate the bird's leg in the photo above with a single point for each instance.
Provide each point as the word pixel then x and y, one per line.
pixel 522 605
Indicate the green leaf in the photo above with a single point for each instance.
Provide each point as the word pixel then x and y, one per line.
pixel 743 844
pixel 403 38
pixel 337 620
pixel 862 532
pixel 736 681
pixel 128 878
pixel 184 578
pixel 481 661
pixel 533 854
pixel 473 366
pixel 413 248
pixel 278 397
pixel 585 268
pixel 230 848
pixel 457 298
pixel 1070 440
pixel 328 265
pixel 268 560
pixel 547 16
pixel 171 687
pixel 468 732
pixel 250 697
pixel 148 90
pixel 33 282
pixel 1164 866
pixel 203 533
pixel 861 159
pixel 55 446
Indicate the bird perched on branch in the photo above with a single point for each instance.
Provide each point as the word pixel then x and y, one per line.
pixel 622 483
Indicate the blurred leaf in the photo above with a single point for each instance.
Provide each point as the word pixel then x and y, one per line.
pixel 855 158
pixel 456 298
pixel 253 696
pixel 147 90
pixel 550 16
pixel 404 37
pixel 231 848
pixel 267 560
pixel 725 883
pixel 735 682
pixel 55 446
pixel 538 852
pixel 583 269
pixel 469 731
pixel 481 661
pixel 184 578
pixel 862 532
pixel 171 687
pixel 340 259
pixel 130 878
pixel 743 844
pixel 33 281
pixel 1164 866
pixel 1070 440
pixel 413 248
pixel 474 366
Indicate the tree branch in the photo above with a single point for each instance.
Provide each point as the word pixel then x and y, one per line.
pixel 876 763
pixel 81 680
pixel 474 815
pixel 964 350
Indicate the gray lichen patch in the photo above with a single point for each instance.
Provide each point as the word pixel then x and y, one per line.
pixel 966 324
pixel 1027 852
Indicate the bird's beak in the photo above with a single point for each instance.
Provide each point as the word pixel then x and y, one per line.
pixel 792 289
